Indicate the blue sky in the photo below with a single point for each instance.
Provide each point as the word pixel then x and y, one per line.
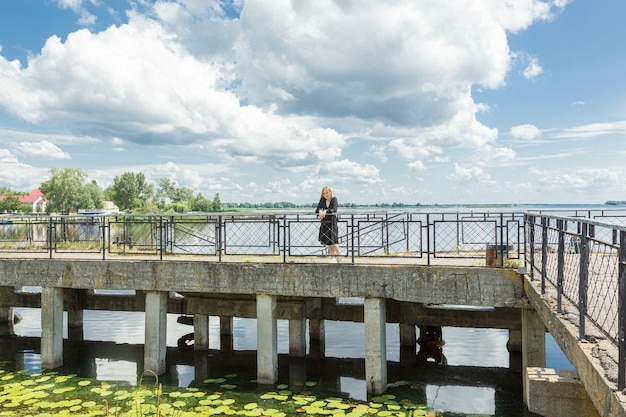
pixel 475 101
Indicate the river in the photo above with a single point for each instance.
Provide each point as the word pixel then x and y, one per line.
pixel 475 382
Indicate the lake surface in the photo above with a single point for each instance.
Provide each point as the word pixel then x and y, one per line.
pixel 475 382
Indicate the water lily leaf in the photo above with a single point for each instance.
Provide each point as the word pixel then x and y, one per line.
pixel 310 383
pixel 84 383
pixel 250 406
pixel 282 386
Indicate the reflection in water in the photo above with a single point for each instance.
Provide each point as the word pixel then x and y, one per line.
pixel 476 379
pixel 431 345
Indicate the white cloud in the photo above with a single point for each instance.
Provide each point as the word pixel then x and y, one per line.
pixel 525 132
pixel 43 149
pixel 469 174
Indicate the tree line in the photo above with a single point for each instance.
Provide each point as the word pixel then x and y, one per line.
pixel 69 190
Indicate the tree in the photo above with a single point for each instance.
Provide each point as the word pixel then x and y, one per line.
pixel 63 189
pixel 201 204
pixel 217 204
pixel 10 204
pixel 130 191
pixel 90 196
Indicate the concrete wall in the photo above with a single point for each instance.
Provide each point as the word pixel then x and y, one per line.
pixel 474 286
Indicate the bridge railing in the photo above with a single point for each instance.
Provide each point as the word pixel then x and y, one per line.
pixel 480 238
pixel 584 260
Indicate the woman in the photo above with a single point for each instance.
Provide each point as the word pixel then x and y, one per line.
pixel 329 232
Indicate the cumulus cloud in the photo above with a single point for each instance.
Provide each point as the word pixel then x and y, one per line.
pixel 525 132
pixel 469 174
pixel 43 149
pixel 284 86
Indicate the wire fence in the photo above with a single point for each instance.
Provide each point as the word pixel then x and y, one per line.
pixel 582 255
pixel 583 259
pixel 487 238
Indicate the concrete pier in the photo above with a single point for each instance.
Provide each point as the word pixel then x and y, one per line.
pixel 267 341
pixel 156 332
pixel 409 295
pixel 51 327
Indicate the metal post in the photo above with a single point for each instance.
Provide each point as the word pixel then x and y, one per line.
pixel 161 244
pixel 219 238
pixel 50 231
pixel 544 253
pixel 104 236
pixel 531 221
pixel 621 312
pixel 560 266
pixel 285 234
pixel 502 246
pixel 428 239
pixel 352 227
pixel 582 285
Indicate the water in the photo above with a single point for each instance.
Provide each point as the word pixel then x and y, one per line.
pixel 476 380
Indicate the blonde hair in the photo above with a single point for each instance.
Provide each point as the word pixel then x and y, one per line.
pixel 329 190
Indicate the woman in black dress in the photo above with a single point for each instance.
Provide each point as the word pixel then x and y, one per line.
pixel 329 231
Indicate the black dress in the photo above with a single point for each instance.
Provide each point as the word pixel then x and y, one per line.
pixel 329 232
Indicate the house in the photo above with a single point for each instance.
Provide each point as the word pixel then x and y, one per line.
pixel 35 199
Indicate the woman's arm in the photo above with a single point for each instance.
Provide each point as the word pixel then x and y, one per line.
pixel 332 207
pixel 321 205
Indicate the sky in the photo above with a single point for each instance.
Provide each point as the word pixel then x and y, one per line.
pixel 385 101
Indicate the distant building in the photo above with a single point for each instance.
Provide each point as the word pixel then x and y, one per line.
pixel 35 199
pixel 109 208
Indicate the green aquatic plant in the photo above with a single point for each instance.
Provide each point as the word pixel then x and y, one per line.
pixel 50 395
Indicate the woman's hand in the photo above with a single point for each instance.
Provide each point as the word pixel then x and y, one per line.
pixel 321 214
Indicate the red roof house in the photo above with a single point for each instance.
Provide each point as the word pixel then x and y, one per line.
pixel 35 198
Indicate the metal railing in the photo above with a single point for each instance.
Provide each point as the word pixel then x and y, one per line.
pixel 416 236
pixel 584 260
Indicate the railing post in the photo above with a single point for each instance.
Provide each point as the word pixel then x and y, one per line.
pixel 50 231
pixel 284 235
pixel 428 239
pixel 544 253
pixel 504 247
pixel 531 232
pixel 621 312
pixel 104 236
pixel 219 238
pixel 560 266
pixel 582 283
pixel 161 244
pixel 352 228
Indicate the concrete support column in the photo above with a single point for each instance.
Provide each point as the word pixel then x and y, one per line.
pixel 514 346
pixel 375 318
pixel 267 339
pixel 75 315
pixel 408 344
pixel 200 332
pixel 156 332
pixel 317 338
pixel 297 338
pixel 51 327
pixel 408 335
pixel 533 345
pixel 226 333
pixel 6 310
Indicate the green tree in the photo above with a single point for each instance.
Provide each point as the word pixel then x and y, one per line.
pixel 130 191
pixel 11 203
pixel 201 204
pixel 91 196
pixel 217 203
pixel 164 192
pixel 63 189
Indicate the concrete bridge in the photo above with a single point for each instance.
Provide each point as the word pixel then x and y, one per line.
pixel 306 290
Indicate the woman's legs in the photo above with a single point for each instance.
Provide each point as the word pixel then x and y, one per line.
pixel 334 250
